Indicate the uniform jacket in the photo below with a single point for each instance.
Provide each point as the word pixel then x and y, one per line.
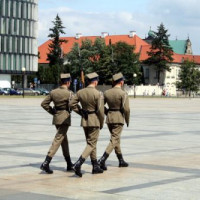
pixel 116 98
pixel 60 97
pixel 91 100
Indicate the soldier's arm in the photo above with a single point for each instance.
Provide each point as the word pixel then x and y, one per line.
pixel 126 109
pixel 46 104
pixel 73 104
pixel 100 109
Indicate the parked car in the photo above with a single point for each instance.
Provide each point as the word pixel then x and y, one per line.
pixel 1 92
pixel 28 91
pixel 43 91
pixel 4 92
pixel 12 91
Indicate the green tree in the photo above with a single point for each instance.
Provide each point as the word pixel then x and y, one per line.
pixel 105 60
pixel 160 54
pixel 80 58
pixel 126 61
pixel 55 55
pixel 189 77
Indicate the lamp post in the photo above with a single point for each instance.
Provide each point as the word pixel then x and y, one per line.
pixel 23 74
pixel 82 82
pixel 134 76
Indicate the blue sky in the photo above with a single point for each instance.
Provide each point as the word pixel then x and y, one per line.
pixel 90 17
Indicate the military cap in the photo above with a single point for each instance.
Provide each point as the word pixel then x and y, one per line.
pixel 118 77
pixel 65 77
pixel 93 76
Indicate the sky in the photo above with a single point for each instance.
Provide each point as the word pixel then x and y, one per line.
pixel 118 17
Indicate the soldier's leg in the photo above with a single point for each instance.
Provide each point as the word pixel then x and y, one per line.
pixel 65 147
pixel 53 149
pixel 59 137
pixel 87 151
pixel 118 152
pixel 91 135
pixel 118 146
pixel 115 131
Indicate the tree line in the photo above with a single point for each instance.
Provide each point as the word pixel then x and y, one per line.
pixel 116 57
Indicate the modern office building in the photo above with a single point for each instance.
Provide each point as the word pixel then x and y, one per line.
pixel 18 38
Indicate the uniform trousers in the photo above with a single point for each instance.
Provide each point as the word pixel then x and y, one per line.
pixel 115 131
pixel 60 139
pixel 91 135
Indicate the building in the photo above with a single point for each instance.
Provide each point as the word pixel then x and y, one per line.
pixel 182 51
pixel 130 38
pixel 168 79
pixel 178 46
pixel 18 38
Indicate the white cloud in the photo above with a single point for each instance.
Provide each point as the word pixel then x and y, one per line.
pixel 180 17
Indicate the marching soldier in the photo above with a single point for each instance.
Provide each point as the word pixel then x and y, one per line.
pixel 92 112
pixel 61 119
pixel 118 103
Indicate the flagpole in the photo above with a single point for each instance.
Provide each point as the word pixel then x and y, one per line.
pixel 82 79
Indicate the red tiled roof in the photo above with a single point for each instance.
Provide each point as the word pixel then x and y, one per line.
pixel 140 47
pixel 178 58
pixel 66 47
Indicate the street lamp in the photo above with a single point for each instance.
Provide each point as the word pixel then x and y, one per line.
pixel 134 76
pixel 23 74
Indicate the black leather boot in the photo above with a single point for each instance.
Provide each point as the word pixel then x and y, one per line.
pixel 102 161
pixel 122 163
pixel 45 165
pixel 96 168
pixel 69 163
pixel 77 166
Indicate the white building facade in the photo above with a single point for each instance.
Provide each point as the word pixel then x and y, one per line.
pixel 18 37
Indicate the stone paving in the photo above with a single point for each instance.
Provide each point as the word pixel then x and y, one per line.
pixel 161 145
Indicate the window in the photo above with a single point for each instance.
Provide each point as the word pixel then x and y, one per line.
pixel 6 7
pixel 9 61
pixel 2 44
pixel 3 7
pixel 13 44
pixel 4 61
pixel 147 73
pixel 5 40
pixel 14 62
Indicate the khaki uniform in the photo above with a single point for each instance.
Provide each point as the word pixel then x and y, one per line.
pixel 118 103
pixel 92 104
pixel 61 118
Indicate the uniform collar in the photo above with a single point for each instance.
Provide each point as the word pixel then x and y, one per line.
pixel 118 87
pixel 63 87
pixel 90 86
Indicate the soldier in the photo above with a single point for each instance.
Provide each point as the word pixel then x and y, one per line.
pixel 92 113
pixel 61 119
pixel 118 103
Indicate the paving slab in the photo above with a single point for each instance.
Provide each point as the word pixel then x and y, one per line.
pixel 161 146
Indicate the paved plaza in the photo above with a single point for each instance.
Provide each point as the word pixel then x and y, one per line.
pixel 162 146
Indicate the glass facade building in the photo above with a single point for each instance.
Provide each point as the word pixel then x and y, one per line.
pixel 18 36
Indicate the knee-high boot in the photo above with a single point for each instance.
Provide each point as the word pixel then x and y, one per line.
pixel 77 166
pixel 96 168
pixel 102 161
pixel 122 163
pixel 69 163
pixel 45 165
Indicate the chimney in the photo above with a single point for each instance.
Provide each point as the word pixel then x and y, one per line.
pixel 78 35
pixel 104 34
pixel 132 34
